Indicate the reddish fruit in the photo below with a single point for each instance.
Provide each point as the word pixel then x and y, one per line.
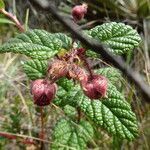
pixel 58 69
pixel 95 87
pixel 79 11
pixel 43 92
pixel 76 72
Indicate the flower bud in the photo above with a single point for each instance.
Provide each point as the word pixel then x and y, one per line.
pixel 79 11
pixel 95 87
pixel 43 92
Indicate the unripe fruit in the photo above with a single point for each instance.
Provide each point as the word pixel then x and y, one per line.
pixel 79 11
pixel 95 87
pixel 43 92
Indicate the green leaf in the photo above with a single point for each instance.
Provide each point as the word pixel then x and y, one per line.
pixel 60 97
pixel 69 135
pixel 64 85
pixel 92 54
pixel 70 111
pixel 6 21
pixel 37 44
pixel 113 74
pixel 2 5
pixel 35 69
pixel 66 41
pixel 113 114
pixel 119 38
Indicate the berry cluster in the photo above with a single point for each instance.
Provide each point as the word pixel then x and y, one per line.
pixel 72 65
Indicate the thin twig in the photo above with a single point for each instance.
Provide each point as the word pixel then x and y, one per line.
pixel 14 19
pixel 13 135
pixel 42 134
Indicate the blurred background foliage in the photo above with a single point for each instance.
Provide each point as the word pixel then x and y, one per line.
pixel 18 114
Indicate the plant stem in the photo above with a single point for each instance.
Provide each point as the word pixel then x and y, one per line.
pixel 13 136
pixel 14 19
pixel 87 66
pixel 79 114
pixel 42 134
pixel 26 20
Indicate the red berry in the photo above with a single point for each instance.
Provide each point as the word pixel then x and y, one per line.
pixel 43 92
pixel 79 11
pixel 95 87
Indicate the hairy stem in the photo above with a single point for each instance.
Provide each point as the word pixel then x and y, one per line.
pixel 14 19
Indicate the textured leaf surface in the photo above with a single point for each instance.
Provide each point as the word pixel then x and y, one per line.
pixel 35 69
pixel 119 37
pixel 69 135
pixel 37 44
pixel 113 74
pixel 60 97
pixel 64 85
pixel 113 114
pixel 70 111
pixel 66 41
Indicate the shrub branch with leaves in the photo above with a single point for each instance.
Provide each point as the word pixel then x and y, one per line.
pixel 60 74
